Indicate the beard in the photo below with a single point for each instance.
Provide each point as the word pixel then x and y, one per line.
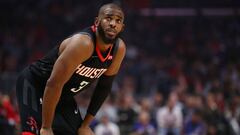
pixel 105 39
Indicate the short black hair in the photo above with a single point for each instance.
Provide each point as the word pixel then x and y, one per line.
pixel 111 5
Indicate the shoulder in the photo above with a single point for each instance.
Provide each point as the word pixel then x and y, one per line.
pixel 162 110
pixel 78 41
pixel 117 59
pixel 114 126
pixel 83 39
pixel 122 44
pixel 121 47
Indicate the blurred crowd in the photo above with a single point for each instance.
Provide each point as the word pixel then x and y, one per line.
pixel 180 76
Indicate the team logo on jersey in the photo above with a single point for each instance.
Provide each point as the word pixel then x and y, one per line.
pixel 32 124
pixel 110 57
pixel 89 72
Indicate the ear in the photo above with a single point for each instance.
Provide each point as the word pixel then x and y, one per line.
pixel 96 22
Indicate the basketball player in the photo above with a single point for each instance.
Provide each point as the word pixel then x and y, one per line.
pixel 45 89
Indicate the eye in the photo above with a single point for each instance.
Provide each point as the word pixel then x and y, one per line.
pixel 108 18
pixel 119 20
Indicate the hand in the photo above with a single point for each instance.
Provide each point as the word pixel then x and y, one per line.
pixel 85 131
pixel 46 131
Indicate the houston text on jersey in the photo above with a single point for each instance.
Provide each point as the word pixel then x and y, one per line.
pixel 89 71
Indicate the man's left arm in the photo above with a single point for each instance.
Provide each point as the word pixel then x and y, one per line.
pixel 104 85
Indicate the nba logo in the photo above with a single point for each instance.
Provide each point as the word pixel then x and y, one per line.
pixel 110 57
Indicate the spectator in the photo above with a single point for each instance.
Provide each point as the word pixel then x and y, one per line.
pixel 9 119
pixel 216 121
pixel 143 126
pixel 195 125
pixel 126 115
pixel 106 127
pixel 169 117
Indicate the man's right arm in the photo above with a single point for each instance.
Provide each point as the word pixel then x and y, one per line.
pixel 76 50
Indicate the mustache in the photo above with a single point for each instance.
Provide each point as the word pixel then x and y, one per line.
pixel 111 30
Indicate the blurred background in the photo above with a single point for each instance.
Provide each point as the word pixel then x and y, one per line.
pixel 180 76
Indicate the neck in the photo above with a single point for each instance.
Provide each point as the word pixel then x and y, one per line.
pixel 101 45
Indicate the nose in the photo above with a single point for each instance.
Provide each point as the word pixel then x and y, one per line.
pixel 113 23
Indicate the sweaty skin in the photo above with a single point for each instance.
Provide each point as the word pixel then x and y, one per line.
pixel 76 50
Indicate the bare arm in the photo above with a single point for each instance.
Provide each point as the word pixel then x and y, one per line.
pixel 105 83
pixel 73 51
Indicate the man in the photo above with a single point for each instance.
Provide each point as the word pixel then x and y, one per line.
pixel 107 127
pixel 45 89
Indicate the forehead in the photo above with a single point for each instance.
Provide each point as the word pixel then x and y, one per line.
pixel 112 12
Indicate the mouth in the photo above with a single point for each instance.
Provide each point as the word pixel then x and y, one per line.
pixel 111 32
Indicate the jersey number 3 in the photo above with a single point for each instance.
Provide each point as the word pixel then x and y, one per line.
pixel 81 86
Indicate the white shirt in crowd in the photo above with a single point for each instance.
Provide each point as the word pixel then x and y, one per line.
pixel 109 128
pixel 170 119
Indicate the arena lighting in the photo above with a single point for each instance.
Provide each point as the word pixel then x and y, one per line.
pixel 218 11
pixel 189 12
pixel 168 12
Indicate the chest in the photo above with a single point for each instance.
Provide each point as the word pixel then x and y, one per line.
pixel 86 73
pixel 93 68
